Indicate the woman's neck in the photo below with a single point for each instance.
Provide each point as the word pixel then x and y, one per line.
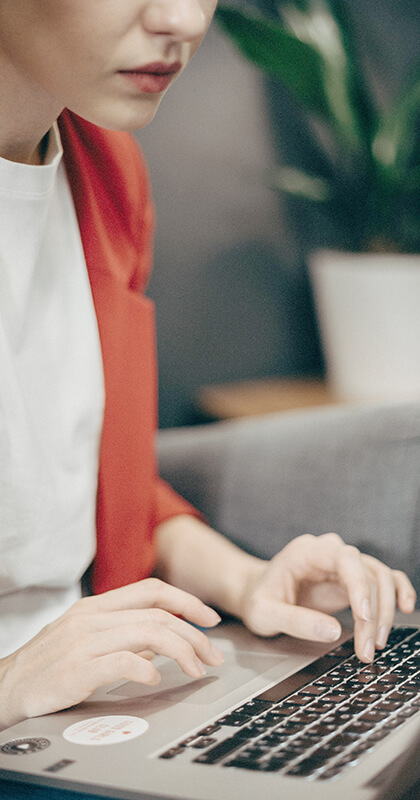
pixel 22 153
pixel 26 116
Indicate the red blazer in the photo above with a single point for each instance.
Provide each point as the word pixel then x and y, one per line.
pixel 111 193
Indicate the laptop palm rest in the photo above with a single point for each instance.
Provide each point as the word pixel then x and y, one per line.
pixel 175 687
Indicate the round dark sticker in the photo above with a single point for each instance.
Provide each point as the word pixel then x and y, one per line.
pixel 23 747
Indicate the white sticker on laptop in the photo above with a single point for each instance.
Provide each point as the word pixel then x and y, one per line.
pixel 105 730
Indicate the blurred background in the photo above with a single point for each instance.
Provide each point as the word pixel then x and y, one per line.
pixel 230 283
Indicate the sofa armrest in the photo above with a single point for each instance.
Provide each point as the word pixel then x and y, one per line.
pixel 262 481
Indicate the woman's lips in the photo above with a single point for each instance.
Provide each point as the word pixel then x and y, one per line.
pixel 152 78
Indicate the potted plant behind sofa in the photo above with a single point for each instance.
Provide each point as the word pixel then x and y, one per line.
pixel 368 301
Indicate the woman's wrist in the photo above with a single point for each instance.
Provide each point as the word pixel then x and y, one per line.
pixel 9 712
pixel 198 559
pixel 247 575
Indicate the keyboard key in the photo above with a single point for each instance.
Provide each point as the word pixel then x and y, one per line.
pixel 407 711
pixel 377 670
pixel 375 715
pixel 391 678
pixel 275 738
pixel 250 731
pixel 402 694
pixel 354 707
pixel 341 741
pixel 306 717
pixel 379 733
pixel 347 760
pixel 363 747
pixel 366 697
pixel 413 683
pixel 172 752
pixel 220 750
pixel 313 690
pixel 205 741
pixel 322 706
pixel 359 726
pixel 328 680
pixel 254 707
pixel 244 763
pixel 209 729
pixel 393 722
pixel 276 762
pixel 309 765
pixel 336 697
pixel 234 720
pixel 388 705
pixel 363 677
pixel 300 699
pixel 331 773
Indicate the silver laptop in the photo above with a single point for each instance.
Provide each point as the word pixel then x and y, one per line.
pixel 280 718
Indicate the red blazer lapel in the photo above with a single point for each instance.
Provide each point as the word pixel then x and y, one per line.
pixel 116 223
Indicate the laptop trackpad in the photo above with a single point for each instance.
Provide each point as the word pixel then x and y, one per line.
pixel 237 669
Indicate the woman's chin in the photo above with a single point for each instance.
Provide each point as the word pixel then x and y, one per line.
pixel 122 115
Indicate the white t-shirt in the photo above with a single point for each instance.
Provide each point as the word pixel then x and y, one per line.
pixel 51 399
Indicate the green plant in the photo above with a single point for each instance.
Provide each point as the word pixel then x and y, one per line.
pixel 372 151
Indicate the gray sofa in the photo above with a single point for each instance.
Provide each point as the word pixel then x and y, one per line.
pixel 262 481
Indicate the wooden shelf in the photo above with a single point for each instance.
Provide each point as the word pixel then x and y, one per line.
pixel 262 396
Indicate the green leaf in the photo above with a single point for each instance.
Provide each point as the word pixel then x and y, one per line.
pixel 300 184
pixel 393 145
pixel 325 26
pixel 278 53
pixel 361 95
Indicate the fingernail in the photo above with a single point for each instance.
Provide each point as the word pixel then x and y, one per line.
pixel 219 656
pixel 369 651
pixel 382 636
pixel 366 610
pixel 329 633
pixel 409 603
pixel 201 670
pixel 214 615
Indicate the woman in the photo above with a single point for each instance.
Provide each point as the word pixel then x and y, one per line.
pixel 77 392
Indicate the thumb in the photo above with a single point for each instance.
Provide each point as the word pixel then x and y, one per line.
pixel 301 623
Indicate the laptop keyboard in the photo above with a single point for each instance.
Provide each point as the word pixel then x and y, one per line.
pixel 320 720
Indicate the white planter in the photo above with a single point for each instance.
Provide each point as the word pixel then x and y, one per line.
pixel 368 308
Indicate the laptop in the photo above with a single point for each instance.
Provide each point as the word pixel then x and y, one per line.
pixel 280 718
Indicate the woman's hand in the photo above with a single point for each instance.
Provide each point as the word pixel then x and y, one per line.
pixel 102 639
pixel 315 576
pixel 296 592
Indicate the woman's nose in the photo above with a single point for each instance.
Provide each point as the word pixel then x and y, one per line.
pixel 183 20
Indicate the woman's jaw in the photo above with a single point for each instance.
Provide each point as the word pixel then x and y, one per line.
pixel 111 63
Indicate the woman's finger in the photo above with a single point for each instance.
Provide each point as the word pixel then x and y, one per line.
pixel 151 593
pixel 372 597
pixel 149 655
pixel 147 629
pixel 159 638
pixel 393 587
pixel 328 557
pixel 122 665
pixel 268 616
pixel 386 593
pixel 406 593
